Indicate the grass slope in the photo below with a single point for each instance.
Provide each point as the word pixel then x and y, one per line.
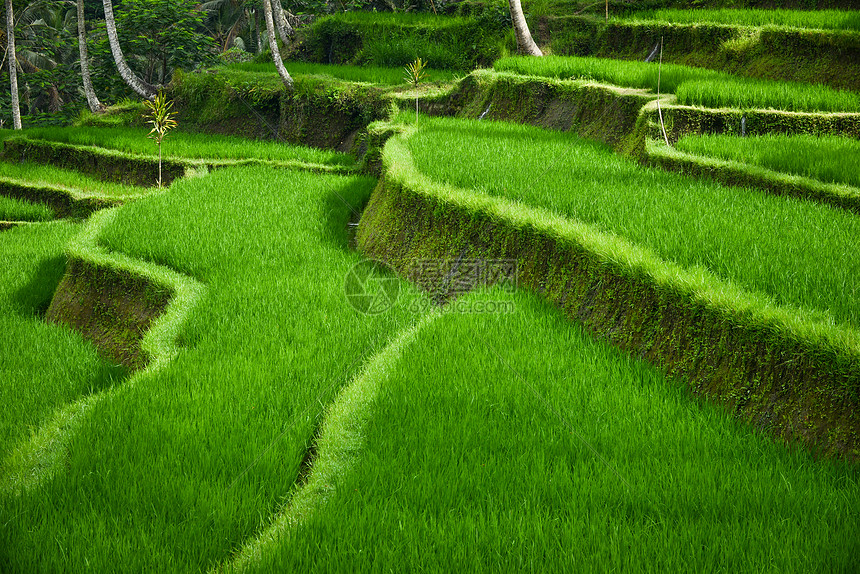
pixel 830 159
pixel 692 86
pixel 800 254
pixel 173 472
pixel 12 209
pixel 184 145
pixel 806 19
pixel 370 74
pixel 42 366
pixel 49 175
pixel 490 451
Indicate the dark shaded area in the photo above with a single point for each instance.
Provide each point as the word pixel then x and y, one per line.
pixel 111 308
pixel 343 207
pixel 34 298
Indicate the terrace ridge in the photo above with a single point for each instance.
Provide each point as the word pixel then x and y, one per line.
pixel 96 274
pixel 793 375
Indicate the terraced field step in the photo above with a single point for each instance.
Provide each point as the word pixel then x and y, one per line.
pixel 747 175
pixel 657 263
pixel 266 349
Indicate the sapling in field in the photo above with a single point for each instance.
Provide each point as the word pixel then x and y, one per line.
pixel 161 117
pixel 414 74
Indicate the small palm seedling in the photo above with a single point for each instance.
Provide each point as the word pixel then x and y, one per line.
pixel 414 74
pixel 161 117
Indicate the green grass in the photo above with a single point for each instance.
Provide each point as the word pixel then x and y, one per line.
pixel 184 145
pixel 461 466
pixel 443 444
pixel 693 86
pixel 155 478
pixel 371 74
pixel 12 209
pixel 800 254
pixel 48 175
pixel 42 366
pixel 830 159
pixel 816 19
pixel 422 19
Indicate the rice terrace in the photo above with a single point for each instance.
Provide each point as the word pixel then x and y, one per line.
pixel 435 286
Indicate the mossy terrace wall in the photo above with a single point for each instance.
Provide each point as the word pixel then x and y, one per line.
pixel 600 112
pixel 799 388
pixel 110 307
pixel 327 114
pixel 814 56
pixel 62 201
pixel 104 164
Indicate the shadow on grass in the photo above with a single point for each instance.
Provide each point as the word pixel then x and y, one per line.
pixel 343 207
pixel 34 298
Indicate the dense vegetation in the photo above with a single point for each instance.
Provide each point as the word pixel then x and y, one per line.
pixel 567 455
pixel 274 423
pixel 828 159
pixel 819 19
pixel 693 86
pixel 691 222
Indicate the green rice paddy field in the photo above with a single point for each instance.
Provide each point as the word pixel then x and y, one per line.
pixel 370 74
pixel 807 19
pixel 18 210
pixel 692 86
pixel 830 159
pixel 799 253
pixel 183 145
pixel 291 432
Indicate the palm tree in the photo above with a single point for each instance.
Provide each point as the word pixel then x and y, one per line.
pixel 273 44
pixel 525 43
pixel 13 66
pixel 92 100
pixel 229 18
pixel 142 88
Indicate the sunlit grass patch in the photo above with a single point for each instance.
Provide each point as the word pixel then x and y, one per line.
pixel 185 145
pixel 799 254
pixel 194 456
pixel 693 86
pixel 830 159
pixel 519 442
pixel 12 209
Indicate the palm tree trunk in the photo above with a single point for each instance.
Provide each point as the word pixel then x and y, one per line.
pixel 525 43
pixel 273 45
pixel 285 30
pixel 142 88
pixel 92 100
pixel 257 31
pixel 13 65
